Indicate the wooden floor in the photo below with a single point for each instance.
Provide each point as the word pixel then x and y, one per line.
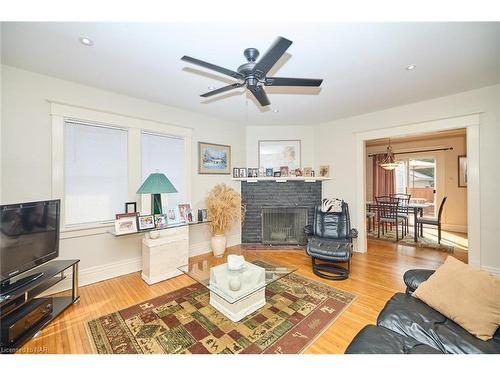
pixel 375 277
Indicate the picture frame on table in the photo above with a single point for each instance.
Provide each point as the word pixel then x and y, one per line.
pixel 462 171
pixel 186 213
pixel 277 174
pixel 130 207
pixel 173 215
pixel 298 172
pixel 278 153
pixel 146 222
pixel 243 173
pixel 236 173
pixel 161 220
pixel 125 223
pixel 214 158
pixel 269 172
pixel 262 172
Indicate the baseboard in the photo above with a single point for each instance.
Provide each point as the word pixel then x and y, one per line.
pixel 455 228
pixel 492 270
pixel 95 274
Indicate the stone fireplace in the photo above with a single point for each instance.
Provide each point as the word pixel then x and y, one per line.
pixel 276 212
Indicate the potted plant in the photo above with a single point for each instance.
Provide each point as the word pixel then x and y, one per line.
pixel 224 209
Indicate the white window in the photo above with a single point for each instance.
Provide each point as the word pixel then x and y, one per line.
pixel 95 172
pixel 165 154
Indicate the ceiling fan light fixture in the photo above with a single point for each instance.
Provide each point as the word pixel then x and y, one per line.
pixel 410 67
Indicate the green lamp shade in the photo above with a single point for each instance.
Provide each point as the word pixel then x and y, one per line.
pixel 156 183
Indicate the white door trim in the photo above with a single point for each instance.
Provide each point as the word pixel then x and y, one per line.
pixel 471 123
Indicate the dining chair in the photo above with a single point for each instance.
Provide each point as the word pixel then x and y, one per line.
pixel 404 211
pixel 388 209
pixel 431 221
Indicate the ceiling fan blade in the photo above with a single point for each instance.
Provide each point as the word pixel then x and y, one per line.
pixel 272 55
pixel 260 95
pixel 228 72
pixel 282 81
pixel 221 90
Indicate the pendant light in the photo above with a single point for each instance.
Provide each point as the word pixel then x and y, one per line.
pixel 389 163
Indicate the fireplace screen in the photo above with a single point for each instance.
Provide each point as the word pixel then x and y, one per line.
pixel 284 225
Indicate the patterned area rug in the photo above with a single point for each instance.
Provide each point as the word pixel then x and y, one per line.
pixel 297 311
pixel 409 240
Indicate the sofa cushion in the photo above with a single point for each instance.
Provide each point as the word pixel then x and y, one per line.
pixel 411 317
pixel 380 340
pixel 467 295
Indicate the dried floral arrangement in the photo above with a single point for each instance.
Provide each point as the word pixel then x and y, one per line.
pixel 224 208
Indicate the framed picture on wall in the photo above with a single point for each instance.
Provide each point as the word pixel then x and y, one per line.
pixel 214 158
pixel 276 154
pixel 462 171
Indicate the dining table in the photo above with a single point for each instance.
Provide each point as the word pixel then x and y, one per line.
pixel 416 207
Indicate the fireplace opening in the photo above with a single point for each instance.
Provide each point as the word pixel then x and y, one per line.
pixel 284 225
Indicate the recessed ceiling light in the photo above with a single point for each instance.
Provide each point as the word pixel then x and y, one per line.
pixel 211 87
pixel 411 67
pixel 86 41
pixel 275 111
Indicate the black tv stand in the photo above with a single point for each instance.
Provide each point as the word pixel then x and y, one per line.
pixel 8 287
pixel 32 284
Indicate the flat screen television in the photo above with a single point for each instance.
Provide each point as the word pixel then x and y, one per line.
pixel 29 236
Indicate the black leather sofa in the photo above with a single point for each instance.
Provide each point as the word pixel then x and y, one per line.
pixel 407 325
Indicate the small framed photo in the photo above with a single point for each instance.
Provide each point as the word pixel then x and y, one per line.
pixel 308 172
pixel 277 174
pixel 125 224
pixel 462 171
pixel 324 171
pixel 262 172
pixel 146 222
pixel 204 213
pixel 253 172
pixel 130 207
pixel 269 172
pixel 284 171
pixel 298 172
pixel 243 173
pixel 186 214
pixel 161 220
pixel 173 215
pixel 236 172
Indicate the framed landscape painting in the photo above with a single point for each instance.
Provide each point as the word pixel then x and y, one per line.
pixel 214 158
pixel 277 154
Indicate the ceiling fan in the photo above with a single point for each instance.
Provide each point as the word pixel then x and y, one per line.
pixel 253 73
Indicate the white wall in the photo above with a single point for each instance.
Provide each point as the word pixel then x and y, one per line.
pixel 455 211
pixel 26 159
pixel 336 146
pixel 305 134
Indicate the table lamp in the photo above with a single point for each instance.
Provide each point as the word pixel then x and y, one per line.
pixel 156 184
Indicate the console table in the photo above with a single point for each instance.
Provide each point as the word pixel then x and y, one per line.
pixel 16 301
pixel 164 250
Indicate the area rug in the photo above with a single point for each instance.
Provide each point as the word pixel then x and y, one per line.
pixel 430 243
pixel 297 311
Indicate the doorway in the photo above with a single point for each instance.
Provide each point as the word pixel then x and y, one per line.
pixel 471 124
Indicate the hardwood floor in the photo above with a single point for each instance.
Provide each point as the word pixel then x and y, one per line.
pixel 375 277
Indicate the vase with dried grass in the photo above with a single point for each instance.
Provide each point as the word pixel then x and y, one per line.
pixel 224 209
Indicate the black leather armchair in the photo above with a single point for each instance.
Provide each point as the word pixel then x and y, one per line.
pixel 330 241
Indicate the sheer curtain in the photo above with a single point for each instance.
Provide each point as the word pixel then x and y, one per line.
pixel 384 182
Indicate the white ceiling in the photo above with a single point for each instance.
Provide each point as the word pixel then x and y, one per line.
pixel 363 65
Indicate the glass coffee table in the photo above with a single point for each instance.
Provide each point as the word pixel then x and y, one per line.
pixel 236 294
